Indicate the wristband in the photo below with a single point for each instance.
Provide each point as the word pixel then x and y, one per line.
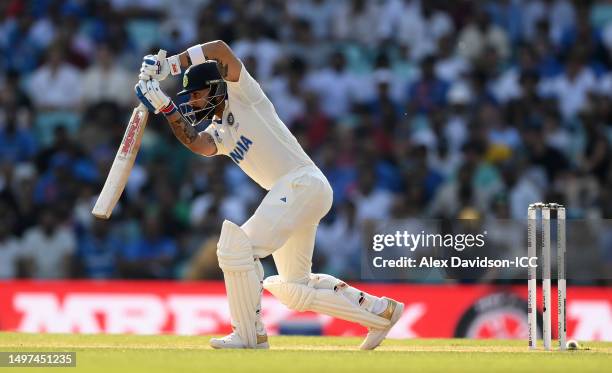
pixel 170 109
pixel 175 64
pixel 196 54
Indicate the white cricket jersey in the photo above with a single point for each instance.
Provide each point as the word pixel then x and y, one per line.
pixel 253 136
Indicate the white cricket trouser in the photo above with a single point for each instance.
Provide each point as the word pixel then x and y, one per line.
pixel 285 223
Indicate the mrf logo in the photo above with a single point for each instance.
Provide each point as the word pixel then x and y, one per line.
pixel 242 146
pixel 129 138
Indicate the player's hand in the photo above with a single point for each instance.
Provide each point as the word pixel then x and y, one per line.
pixel 158 67
pixel 154 68
pixel 151 95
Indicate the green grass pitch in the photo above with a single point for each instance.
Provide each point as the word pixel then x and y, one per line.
pixel 151 354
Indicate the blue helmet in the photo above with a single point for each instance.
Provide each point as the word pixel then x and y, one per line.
pixel 198 77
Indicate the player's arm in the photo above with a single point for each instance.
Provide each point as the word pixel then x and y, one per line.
pixel 229 65
pixel 198 142
pixel 151 95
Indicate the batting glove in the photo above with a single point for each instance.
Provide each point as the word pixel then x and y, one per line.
pixel 157 68
pixel 151 95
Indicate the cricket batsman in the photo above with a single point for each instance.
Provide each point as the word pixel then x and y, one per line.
pixel 244 126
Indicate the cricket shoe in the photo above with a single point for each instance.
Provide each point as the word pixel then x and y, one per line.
pixel 233 340
pixel 393 312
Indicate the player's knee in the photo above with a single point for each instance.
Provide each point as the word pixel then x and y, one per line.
pixel 327 195
pixel 296 296
pixel 323 281
pixel 234 249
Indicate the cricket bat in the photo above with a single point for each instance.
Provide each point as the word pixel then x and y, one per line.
pixel 124 160
pixel 122 165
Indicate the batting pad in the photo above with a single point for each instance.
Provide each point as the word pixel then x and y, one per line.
pixel 327 295
pixel 242 281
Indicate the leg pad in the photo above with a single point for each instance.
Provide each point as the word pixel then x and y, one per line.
pixel 327 295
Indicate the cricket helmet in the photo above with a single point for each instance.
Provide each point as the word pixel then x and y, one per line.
pixel 198 77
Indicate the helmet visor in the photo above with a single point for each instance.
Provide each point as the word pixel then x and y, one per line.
pixel 196 110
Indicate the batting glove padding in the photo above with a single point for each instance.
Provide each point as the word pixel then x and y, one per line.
pixel 155 68
pixel 149 93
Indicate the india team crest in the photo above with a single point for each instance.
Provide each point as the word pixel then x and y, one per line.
pixel 230 119
pixel 218 137
pixel 185 81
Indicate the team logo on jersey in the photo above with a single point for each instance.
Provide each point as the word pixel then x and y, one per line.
pixel 185 81
pixel 242 147
pixel 230 119
pixel 218 137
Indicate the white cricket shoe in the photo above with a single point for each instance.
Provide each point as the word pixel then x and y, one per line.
pixel 393 312
pixel 233 340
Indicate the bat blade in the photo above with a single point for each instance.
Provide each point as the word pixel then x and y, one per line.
pixel 122 165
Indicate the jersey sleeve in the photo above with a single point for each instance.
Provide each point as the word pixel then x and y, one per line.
pixel 214 133
pixel 246 89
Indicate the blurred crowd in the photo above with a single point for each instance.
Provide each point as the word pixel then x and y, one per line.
pixel 412 109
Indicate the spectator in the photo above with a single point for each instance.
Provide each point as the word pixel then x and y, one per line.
pixel 98 251
pixel 417 24
pixel 507 85
pixel 480 34
pixel 543 155
pixel 429 92
pixel 22 190
pixel 16 144
pixel 106 80
pixel 341 242
pixel 230 206
pixel 357 20
pixel 253 41
pixel 204 264
pixel 597 153
pixel 450 66
pixel 25 46
pixel 10 250
pixel 572 87
pixel 49 247
pixel 522 188
pixel 151 255
pixel 13 95
pixel 285 90
pixel 316 123
pixel 335 85
pixel 371 202
pixel 500 133
pixel 56 85
pixel 340 172
pixel 318 13
pixel 454 194
pixel 384 106
pixel 305 45
pixel 558 13
pixel 421 174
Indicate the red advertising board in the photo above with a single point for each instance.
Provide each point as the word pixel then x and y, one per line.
pixel 145 307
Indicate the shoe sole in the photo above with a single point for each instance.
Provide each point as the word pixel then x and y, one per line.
pixel 397 313
pixel 262 346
